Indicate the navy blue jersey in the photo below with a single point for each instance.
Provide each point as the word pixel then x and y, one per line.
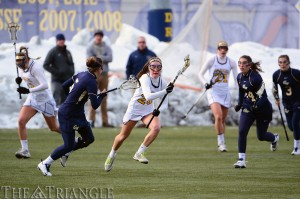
pixel 82 86
pixel 137 59
pixel 252 91
pixel 289 82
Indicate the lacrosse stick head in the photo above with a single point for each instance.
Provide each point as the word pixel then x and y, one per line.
pixel 186 64
pixel 131 83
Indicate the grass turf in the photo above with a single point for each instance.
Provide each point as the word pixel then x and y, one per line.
pixel 184 163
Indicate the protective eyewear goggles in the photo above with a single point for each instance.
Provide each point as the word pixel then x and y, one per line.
pixel 155 67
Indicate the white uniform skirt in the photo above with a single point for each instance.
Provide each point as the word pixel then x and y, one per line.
pixel 47 108
pixel 129 115
pixel 223 99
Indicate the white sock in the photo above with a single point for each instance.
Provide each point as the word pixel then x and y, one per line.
pixel 24 144
pixel 48 160
pixel 142 149
pixel 221 139
pixel 112 153
pixel 242 156
pixel 296 143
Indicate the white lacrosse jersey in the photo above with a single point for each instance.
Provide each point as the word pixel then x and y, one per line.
pixel 222 81
pixel 142 101
pixel 40 97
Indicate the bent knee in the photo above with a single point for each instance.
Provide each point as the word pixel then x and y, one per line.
pixel 21 122
pixel 155 129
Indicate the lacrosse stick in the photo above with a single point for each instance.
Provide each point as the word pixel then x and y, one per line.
pixel 131 83
pixel 217 77
pixel 180 72
pixel 286 135
pixel 13 29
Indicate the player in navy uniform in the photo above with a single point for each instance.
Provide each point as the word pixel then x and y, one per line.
pixel 71 114
pixel 289 80
pixel 253 101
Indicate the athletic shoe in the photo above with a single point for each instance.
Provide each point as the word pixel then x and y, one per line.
pixel 296 151
pixel 141 158
pixel 44 168
pixel 274 145
pixel 240 164
pixel 23 154
pixel 222 148
pixel 63 159
pixel 108 165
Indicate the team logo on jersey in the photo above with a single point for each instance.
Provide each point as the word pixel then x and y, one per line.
pixel 285 82
pixel 245 87
pixel 246 110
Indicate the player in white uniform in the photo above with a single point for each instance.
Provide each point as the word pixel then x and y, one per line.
pixel 219 96
pixel 141 107
pixel 39 98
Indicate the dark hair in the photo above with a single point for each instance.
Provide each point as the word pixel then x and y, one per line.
pixel 254 65
pixel 60 37
pixel 145 67
pixel 99 32
pixel 93 63
pixel 22 54
pixel 286 57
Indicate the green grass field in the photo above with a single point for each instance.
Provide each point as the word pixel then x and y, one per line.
pixel 184 163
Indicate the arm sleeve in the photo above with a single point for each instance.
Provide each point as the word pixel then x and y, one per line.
pixel 129 67
pixel 48 63
pixel 67 84
pixel 275 87
pixel 89 51
pixel 260 99
pixel 38 73
pixel 204 69
pixel 92 91
pixel 107 56
pixel 234 72
pixel 145 82
pixel 241 93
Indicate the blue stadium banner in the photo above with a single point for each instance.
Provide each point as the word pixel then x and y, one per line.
pixel 46 18
pixel 160 24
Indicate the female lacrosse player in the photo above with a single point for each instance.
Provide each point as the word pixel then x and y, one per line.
pixel 219 96
pixel 289 80
pixel 80 88
pixel 141 107
pixel 39 98
pixel 253 101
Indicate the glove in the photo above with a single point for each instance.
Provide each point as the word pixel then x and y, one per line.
pixel 156 112
pixel 237 108
pixel 23 90
pixel 254 108
pixel 208 86
pixel 170 87
pixel 18 80
pixel 102 95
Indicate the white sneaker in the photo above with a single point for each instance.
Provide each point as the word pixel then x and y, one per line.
pixel 22 154
pixel 222 148
pixel 296 151
pixel 240 164
pixel 63 159
pixel 274 145
pixel 44 168
pixel 108 165
pixel 141 158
